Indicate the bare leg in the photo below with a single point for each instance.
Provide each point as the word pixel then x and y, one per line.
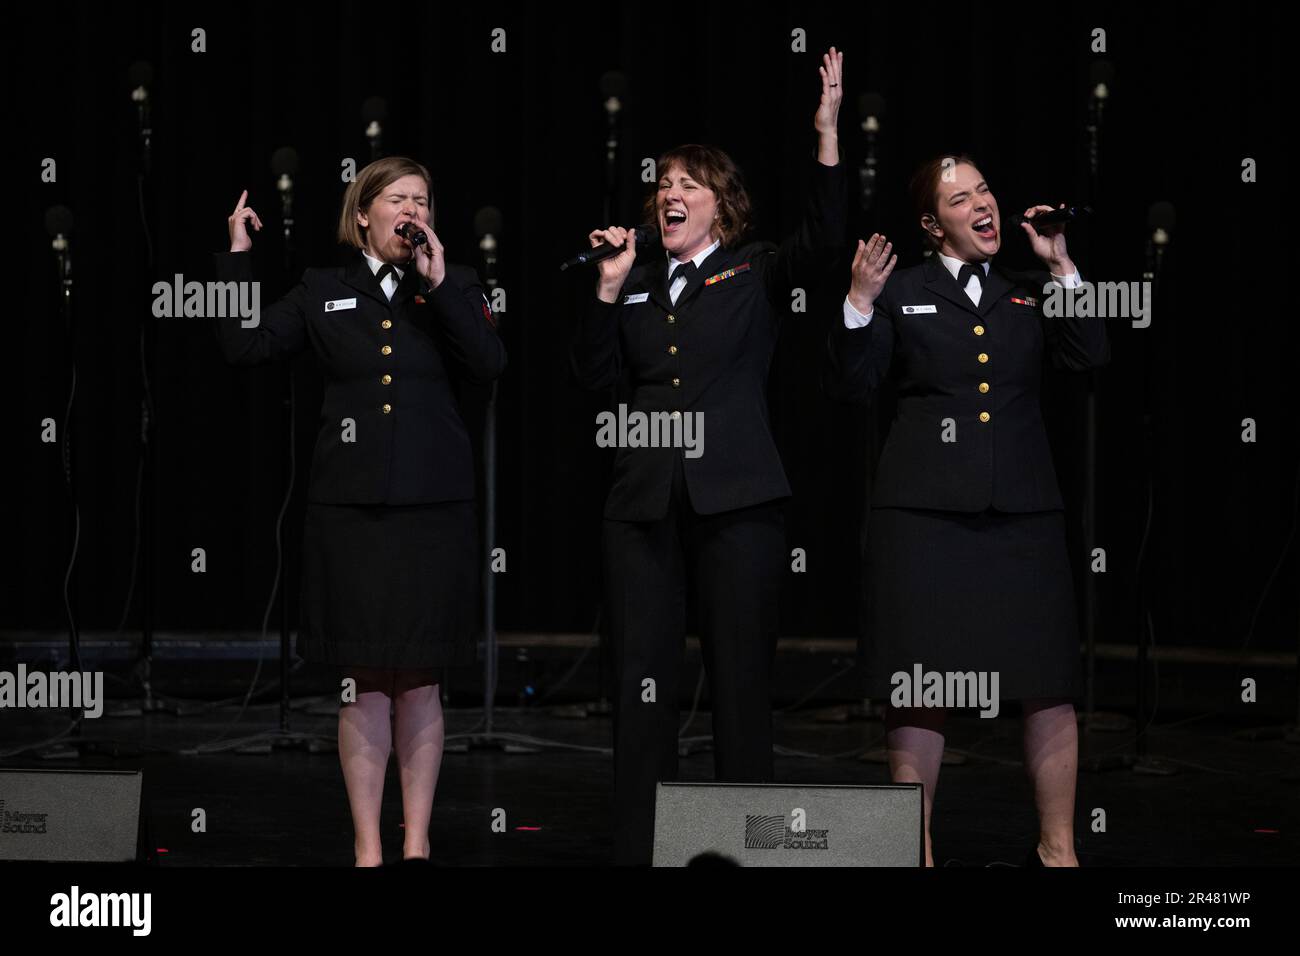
pixel 419 740
pixel 914 740
pixel 1052 760
pixel 365 740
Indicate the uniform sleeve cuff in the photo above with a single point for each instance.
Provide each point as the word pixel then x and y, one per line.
pixel 853 319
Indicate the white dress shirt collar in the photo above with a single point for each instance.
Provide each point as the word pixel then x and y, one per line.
pixel 954 265
pixel 698 260
pixel 376 264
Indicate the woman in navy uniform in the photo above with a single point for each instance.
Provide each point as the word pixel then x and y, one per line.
pixel 693 334
pixel 390 546
pixel 966 562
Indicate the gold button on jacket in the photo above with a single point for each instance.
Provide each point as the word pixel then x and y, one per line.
pixel 375 354
pixel 918 344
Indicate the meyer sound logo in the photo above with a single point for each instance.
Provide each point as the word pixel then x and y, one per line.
pixel 21 821
pixel 769 832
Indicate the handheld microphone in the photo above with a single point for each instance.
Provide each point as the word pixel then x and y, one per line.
pixel 644 234
pixel 412 233
pixel 1057 217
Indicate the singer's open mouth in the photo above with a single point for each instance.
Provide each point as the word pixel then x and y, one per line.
pixel 984 228
pixel 673 220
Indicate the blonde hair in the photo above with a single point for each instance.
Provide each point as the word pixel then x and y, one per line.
pixel 370 182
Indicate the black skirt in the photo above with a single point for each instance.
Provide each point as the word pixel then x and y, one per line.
pixel 389 586
pixel 956 592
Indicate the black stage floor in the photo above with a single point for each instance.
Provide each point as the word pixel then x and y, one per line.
pixel 1232 801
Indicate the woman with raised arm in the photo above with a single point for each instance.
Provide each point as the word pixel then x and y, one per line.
pixel 696 508
pixel 967 569
pixel 390 542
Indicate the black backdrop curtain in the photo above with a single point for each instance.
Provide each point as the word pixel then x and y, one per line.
pixel 524 130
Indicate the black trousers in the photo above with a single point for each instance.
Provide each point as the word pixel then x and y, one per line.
pixel 733 563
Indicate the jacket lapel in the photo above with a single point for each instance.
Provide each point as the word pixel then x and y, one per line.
pixel 357 274
pixel 940 281
pixel 996 285
pixel 716 262
pixel 407 286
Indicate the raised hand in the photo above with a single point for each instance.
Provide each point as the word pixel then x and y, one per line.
pixel 828 109
pixel 872 264
pixel 237 225
pixel 614 270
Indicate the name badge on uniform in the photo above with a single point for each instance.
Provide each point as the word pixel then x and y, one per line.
pixel 635 298
pixel 335 305
pixel 920 310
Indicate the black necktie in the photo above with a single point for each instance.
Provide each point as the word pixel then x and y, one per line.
pixel 385 270
pixel 683 270
pixel 968 270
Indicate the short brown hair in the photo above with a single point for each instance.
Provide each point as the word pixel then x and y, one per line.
pixel 923 189
pixel 716 171
pixel 370 182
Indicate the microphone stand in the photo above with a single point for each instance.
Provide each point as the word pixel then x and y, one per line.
pixel 73 744
pixel 1093 720
pixel 865 708
pixel 489 739
pixel 62 250
pixel 1142 761
pixel 143 667
pixel 601 706
pixel 490 651
pixel 284 737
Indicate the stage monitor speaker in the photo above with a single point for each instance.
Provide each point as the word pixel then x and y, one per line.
pixel 73 815
pixel 780 825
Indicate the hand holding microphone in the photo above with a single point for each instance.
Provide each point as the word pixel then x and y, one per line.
pixel 614 268
pixel 1045 228
pixel 428 251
